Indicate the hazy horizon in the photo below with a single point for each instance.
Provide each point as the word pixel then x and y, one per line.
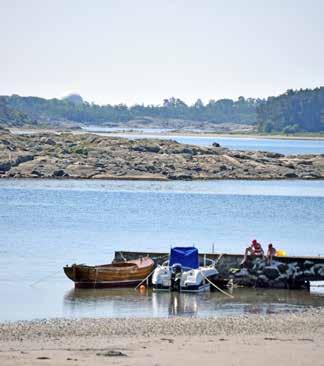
pixel 128 52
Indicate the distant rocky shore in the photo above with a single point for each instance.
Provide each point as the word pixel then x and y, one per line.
pixel 67 155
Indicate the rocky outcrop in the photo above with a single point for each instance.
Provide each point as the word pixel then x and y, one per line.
pixel 258 273
pixel 66 155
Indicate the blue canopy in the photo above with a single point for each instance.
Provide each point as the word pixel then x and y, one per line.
pixel 186 256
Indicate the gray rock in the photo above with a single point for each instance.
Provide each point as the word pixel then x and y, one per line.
pixel 309 274
pixel 282 267
pixel 23 159
pixel 242 273
pixel 321 272
pixel 298 276
pixel 5 166
pixel 291 175
pixel 281 282
pixel 317 267
pixel 83 155
pixel 48 141
pixel 262 281
pixel 308 264
pixel 273 155
pixel 146 148
pixel 60 173
pixel 271 272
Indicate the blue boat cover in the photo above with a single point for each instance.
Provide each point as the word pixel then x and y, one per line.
pixel 186 256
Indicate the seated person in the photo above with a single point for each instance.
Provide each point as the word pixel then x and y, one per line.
pixel 254 249
pixel 271 252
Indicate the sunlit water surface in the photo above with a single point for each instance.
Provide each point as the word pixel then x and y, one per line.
pixel 46 224
pixel 283 146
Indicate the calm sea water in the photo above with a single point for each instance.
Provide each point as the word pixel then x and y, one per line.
pixel 283 146
pixel 46 224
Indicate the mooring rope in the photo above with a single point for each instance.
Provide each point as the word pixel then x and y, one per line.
pixel 218 288
pixel 219 258
pixel 44 278
pixel 144 279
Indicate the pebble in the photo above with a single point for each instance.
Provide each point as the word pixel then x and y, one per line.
pixel 309 321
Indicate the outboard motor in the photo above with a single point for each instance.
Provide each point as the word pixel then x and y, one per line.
pixel 176 271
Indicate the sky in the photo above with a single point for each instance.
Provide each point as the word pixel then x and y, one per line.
pixel 143 51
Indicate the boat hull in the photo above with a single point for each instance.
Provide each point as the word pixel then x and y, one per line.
pixel 123 274
pixel 196 280
pixel 107 284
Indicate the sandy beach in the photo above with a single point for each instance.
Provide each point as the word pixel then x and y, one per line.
pixel 292 338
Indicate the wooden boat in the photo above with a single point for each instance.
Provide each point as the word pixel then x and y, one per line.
pixel 118 274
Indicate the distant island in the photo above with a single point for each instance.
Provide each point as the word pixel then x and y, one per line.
pixel 90 156
pixel 296 111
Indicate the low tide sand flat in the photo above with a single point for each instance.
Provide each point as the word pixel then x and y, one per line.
pixel 245 340
pixel 85 156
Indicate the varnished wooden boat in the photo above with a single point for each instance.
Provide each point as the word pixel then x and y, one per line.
pixel 120 274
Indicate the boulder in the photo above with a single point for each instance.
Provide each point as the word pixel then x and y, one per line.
pixel 321 272
pixel 317 268
pixel 309 274
pixel 5 166
pixel 282 267
pixel 262 281
pixel 292 269
pixel 242 273
pixel 215 144
pixel 258 265
pixel 280 282
pixel 60 173
pixel 291 175
pixel 146 148
pixel 48 141
pixel 308 264
pixel 269 154
pixel 246 281
pixel 22 159
pixel 298 276
pixel 272 272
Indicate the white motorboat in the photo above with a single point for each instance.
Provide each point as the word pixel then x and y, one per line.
pixel 183 273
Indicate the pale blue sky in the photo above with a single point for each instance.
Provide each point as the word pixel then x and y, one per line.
pixel 131 51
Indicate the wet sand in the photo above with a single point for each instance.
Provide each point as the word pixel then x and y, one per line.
pixel 292 338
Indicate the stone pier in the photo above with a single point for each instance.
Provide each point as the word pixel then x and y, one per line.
pixel 284 272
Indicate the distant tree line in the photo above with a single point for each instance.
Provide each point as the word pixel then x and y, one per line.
pixel 10 116
pixel 293 111
pixel 46 110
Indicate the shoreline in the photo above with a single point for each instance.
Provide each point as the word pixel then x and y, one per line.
pixel 210 134
pixel 288 323
pixel 240 340
pixel 161 179
pixel 125 132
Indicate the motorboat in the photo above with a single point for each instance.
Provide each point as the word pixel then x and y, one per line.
pixel 182 272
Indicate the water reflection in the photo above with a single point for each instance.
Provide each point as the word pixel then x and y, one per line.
pixel 180 304
pixel 130 303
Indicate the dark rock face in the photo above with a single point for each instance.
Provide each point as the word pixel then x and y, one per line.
pixel 60 173
pixel 272 272
pixel 61 155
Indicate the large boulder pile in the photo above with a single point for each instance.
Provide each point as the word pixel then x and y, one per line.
pixel 259 273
